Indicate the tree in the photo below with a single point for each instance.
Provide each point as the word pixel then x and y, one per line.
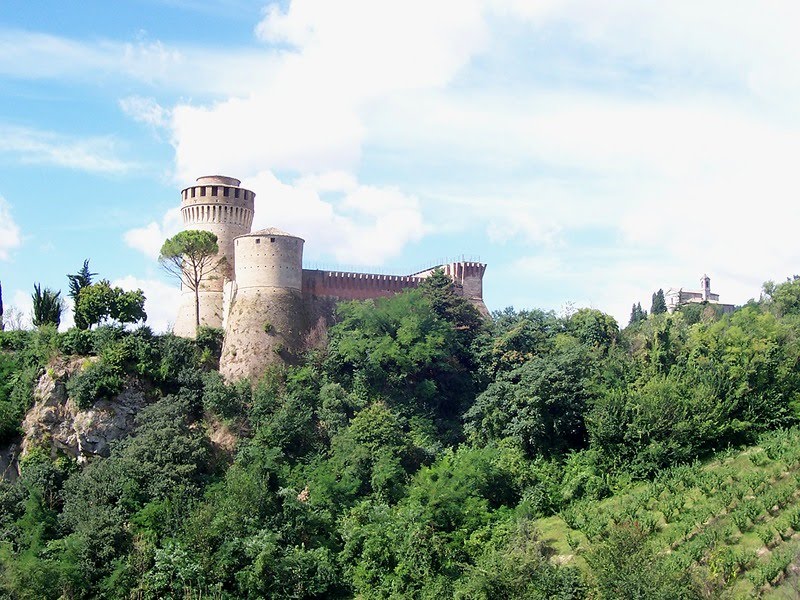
pixel 400 350
pixel 593 328
pixel 659 305
pixel 784 297
pixel 191 256
pixel 2 324
pixel 538 406
pixel 47 306
pixel 77 282
pixel 637 314
pixel 99 301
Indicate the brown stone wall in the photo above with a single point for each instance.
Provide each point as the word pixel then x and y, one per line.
pixel 354 286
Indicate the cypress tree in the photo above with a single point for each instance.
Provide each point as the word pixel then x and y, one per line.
pixel 659 305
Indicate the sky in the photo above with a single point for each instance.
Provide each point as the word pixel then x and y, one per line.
pixel 588 152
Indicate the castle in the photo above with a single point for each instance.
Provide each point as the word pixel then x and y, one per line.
pixel 268 305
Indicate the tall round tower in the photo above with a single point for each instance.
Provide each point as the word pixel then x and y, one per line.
pixel 216 204
pixel 266 317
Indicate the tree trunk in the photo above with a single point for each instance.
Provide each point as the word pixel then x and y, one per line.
pixel 196 309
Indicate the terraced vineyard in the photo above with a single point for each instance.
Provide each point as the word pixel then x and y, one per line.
pixel 733 522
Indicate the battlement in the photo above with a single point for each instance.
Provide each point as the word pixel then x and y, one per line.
pixel 229 194
pixel 218 200
pixel 355 286
pixel 344 285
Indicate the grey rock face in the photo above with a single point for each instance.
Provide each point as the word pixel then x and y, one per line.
pixel 56 422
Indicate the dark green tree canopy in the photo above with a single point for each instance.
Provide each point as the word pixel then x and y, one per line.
pixel 47 306
pixel 659 305
pixel 637 314
pixel 78 281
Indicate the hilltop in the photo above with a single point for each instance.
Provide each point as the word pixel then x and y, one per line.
pixel 416 450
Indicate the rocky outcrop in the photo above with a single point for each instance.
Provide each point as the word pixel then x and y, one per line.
pixel 9 462
pixel 57 423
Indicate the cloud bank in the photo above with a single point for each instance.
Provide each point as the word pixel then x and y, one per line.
pixel 660 137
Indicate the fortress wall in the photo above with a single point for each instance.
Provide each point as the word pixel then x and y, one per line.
pixel 468 279
pixel 466 275
pixel 354 286
pixel 211 311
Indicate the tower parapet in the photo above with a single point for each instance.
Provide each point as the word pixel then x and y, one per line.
pixel 217 204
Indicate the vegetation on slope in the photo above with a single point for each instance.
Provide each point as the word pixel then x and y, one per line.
pixel 422 453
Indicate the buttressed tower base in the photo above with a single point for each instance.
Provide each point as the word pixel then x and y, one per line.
pixel 266 318
pixel 216 204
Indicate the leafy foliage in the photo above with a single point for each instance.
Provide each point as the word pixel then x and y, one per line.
pixel 423 453
pixel 659 304
pixel 99 301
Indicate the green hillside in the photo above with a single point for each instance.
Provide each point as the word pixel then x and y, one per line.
pixel 416 451
pixel 732 522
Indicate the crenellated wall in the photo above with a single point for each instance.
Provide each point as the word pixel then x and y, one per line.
pixel 354 286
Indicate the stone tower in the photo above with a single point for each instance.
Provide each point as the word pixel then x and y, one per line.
pixel 705 287
pixel 267 313
pixel 216 204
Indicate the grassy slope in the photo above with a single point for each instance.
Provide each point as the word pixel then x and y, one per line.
pixel 734 519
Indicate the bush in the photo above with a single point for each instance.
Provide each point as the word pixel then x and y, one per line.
pixel 97 381
pixel 77 341
pixel 210 338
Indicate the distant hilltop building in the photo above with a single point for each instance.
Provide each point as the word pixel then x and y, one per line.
pixel 677 297
pixel 263 298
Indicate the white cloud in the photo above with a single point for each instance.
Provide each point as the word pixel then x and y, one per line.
pixel 145 110
pixel 33 146
pixel 187 68
pixel 306 115
pixel 338 217
pixel 10 237
pixel 22 302
pixel 150 238
pixel 162 300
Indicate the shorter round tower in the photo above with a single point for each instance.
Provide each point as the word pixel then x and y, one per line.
pixel 266 317
pixel 217 204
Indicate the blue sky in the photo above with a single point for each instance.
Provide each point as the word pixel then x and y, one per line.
pixel 589 152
